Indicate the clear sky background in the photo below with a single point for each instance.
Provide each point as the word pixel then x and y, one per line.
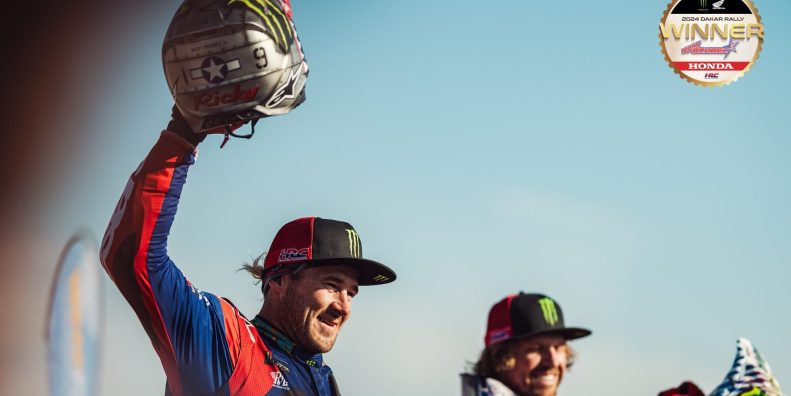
pixel 480 149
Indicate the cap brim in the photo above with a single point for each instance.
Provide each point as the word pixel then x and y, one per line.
pixel 569 333
pixel 372 273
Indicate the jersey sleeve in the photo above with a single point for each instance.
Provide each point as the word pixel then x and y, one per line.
pixel 195 334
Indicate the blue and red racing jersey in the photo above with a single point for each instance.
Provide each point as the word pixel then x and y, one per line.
pixel 206 346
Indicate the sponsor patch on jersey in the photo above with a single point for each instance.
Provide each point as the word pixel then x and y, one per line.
pixel 279 381
pixel 199 293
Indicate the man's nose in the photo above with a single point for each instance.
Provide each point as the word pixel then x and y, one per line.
pixel 551 355
pixel 343 303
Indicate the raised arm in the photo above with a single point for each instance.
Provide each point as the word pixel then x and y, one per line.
pixel 194 333
pixel 261 72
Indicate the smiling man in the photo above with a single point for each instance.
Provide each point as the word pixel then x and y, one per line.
pixel 526 350
pixel 309 276
pixel 313 268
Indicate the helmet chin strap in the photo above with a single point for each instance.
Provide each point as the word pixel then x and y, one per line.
pixel 229 133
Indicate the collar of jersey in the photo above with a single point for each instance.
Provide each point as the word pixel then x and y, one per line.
pixel 268 331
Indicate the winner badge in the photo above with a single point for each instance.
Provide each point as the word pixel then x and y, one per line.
pixel 711 42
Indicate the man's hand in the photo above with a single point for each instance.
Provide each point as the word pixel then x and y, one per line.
pixel 179 126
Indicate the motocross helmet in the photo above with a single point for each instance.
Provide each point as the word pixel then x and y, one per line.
pixel 232 61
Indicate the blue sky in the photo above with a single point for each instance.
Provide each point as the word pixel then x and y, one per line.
pixel 480 149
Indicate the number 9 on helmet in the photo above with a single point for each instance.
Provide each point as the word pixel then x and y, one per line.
pixel 232 61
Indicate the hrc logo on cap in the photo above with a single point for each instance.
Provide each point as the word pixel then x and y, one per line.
pixel 292 254
pixel 500 334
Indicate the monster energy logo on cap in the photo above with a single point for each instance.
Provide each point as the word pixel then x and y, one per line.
pixel 355 249
pixel 528 315
pixel 318 241
pixel 702 3
pixel 549 310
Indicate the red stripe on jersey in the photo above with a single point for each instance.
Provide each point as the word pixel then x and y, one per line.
pixel 152 200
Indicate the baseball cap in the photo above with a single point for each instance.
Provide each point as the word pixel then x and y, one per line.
pixel 318 241
pixel 526 315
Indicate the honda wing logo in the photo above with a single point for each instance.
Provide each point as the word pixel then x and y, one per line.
pixel 549 310
pixel 717 5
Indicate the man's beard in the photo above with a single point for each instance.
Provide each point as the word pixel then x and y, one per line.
pixel 536 390
pixel 530 386
pixel 302 327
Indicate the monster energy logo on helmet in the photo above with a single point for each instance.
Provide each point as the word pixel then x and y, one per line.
pixel 549 310
pixel 275 19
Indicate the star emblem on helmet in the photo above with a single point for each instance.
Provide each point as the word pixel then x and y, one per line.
pixel 214 69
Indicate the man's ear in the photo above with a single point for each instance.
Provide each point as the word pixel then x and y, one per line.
pixel 278 286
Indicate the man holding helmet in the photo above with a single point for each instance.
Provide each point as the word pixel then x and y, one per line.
pixel 228 62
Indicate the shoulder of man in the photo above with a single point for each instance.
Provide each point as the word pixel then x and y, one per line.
pixel 476 385
pixel 255 371
pixel 496 388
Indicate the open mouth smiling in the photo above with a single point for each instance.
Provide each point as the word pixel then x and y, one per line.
pixel 330 318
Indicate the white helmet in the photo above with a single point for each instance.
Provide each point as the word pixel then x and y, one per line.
pixel 232 61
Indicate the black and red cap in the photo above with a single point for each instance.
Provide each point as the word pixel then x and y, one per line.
pixel 318 241
pixel 526 315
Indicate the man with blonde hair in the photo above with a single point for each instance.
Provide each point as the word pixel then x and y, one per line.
pixel 526 350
